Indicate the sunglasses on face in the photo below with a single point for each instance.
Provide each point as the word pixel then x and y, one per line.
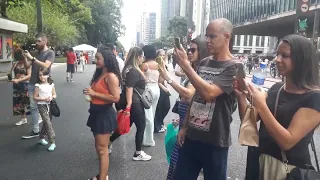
pixel 192 50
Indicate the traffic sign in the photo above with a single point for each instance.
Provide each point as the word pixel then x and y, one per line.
pixel 304 8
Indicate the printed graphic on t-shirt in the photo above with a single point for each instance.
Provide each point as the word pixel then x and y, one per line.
pixel 201 112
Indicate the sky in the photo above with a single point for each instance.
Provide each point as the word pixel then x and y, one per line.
pixel 131 13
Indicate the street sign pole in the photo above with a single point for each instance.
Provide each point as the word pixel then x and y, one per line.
pixel 302 10
pixel 315 34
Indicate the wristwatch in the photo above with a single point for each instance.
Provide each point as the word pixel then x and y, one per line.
pixel 170 81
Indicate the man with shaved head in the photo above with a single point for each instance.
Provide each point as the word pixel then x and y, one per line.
pixel 205 136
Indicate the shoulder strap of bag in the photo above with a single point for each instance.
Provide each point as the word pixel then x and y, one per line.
pixel 137 92
pixel 283 154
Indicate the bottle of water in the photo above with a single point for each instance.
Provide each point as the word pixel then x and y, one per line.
pixel 259 75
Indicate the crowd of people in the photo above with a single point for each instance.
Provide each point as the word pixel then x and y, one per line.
pixel 209 94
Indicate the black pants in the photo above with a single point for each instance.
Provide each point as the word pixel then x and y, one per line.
pixel 162 110
pixel 137 116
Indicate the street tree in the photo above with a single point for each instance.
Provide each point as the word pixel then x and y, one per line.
pixel 163 42
pixel 107 25
pixel 178 26
pixel 59 27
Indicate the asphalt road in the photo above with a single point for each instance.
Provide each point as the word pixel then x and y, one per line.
pixel 75 157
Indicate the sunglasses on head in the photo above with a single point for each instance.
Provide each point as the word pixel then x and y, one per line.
pixel 192 50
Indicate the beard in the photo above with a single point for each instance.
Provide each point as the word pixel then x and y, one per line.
pixel 39 47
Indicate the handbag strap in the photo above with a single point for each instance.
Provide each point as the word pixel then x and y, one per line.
pixel 137 92
pixel 283 155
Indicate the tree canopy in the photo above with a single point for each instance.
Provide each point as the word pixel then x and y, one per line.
pixel 68 22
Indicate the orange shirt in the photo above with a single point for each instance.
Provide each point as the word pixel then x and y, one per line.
pixel 101 87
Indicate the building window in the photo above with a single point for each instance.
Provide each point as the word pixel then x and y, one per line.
pixel 262 41
pixel 250 40
pixel 257 41
pixel 245 40
pixel 238 40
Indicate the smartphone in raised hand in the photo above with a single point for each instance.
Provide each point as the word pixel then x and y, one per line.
pixel 177 42
pixel 241 75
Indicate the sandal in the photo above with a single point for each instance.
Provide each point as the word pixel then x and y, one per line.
pixel 97 177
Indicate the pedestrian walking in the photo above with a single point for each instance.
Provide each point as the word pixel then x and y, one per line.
pixel 43 94
pixel 44 57
pixel 71 61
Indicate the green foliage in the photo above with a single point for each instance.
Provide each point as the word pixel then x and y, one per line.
pixel 68 22
pixel 56 25
pixel 107 25
pixel 163 42
pixel 178 26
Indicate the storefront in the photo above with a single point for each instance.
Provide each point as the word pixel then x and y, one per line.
pixel 7 29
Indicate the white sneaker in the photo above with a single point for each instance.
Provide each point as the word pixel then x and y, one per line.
pixel 141 157
pixel 110 149
pixel 21 122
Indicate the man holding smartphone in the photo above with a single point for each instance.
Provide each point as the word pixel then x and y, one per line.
pixel 205 136
pixel 43 58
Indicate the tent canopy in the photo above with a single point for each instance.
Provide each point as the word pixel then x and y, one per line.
pixel 84 47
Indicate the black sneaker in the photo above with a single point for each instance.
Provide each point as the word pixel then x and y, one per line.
pixel 31 135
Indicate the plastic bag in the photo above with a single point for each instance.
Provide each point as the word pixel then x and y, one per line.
pixel 123 123
pixel 170 139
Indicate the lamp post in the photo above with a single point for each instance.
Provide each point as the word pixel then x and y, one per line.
pixel 39 16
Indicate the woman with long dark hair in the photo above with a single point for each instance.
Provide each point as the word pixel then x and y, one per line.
pixel 295 104
pixel 133 78
pixel 196 52
pixel 104 91
pixel 21 103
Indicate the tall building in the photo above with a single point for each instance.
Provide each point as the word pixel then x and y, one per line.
pixel 147 28
pixel 152 28
pixel 200 15
pixel 248 44
pixel 169 9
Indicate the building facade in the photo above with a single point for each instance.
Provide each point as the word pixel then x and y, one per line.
pixel 169 9
pixel 242 43
pixel 146 28
pixel 7 29
pixel 250 44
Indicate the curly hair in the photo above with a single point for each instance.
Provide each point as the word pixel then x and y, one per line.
pixel 18 54
pixel 110 62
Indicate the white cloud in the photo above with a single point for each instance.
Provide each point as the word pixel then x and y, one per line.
pixel 131 13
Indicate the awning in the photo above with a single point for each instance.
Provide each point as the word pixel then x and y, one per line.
pixel 13 26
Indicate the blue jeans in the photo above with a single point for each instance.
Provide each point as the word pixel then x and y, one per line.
pixel 34 109
pixel 195 155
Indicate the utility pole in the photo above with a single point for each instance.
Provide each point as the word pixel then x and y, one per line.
pixel 39 17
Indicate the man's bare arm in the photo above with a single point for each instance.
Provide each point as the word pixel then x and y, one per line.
pixel 207 91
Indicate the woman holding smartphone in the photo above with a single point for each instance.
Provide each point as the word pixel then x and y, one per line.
pixel 289 112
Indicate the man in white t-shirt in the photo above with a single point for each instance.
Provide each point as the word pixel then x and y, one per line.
pixel 113 48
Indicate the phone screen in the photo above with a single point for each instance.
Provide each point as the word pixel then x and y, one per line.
pixel 177 42
pixel 241 75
